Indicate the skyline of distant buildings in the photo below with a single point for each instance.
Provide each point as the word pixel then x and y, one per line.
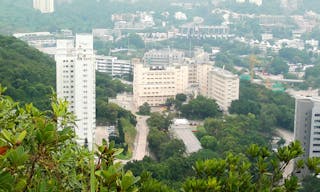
pixel 44 6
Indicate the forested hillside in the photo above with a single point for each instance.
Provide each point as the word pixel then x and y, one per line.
pixel 28 74
pixel 79 15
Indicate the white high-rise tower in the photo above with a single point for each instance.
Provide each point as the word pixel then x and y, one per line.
pixel 76 83
pixel 45 6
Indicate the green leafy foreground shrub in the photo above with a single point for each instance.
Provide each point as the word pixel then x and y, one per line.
pixel 38 152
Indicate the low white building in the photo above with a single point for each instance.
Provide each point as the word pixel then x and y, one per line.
pixel 113 66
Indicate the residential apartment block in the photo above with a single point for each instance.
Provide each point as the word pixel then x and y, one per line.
pixel 75 73
pixel 113 66
pixel 155 84
pixel 223 86
pixel 307 125
pixel 45 6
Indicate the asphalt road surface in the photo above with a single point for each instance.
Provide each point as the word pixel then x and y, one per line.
pixel 184 132
pixel 141 145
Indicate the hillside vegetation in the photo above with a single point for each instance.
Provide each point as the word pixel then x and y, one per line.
pixel 28 74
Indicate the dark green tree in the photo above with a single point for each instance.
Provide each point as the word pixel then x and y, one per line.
pixel 200 108
pixel 144 109
pixel 278 66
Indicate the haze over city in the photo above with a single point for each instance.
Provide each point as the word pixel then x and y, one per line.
pixel 170 95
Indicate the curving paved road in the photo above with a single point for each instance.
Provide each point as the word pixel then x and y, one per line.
pixel 141 145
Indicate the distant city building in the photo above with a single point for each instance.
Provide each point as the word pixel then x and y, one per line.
pixel 137 21
pixel 307 125
pixel 37 39
pixel 163 57
pixel 45 6
pixel 76 83
pixel 180 16
pixel 106 34
pixel 266 36
pixel 155 84
pixel 204 31
pixel 223 86
pixel 257 2
pixel 43 41
pixel 113 66
pixel 291 5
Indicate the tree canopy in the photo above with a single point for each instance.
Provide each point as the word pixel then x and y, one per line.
pixel 200 108
pixel 39 154
pixel 28 74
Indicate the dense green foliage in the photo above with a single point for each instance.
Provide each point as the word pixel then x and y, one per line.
pixel 38 155
pixel 28 74
pixel 107 87
pixel 160 121
pixel 310 184
pixel 278 66
pixel 272 109
pixel 79 15
pixel 257 170
pixel 160 142
pixel 109 113
pixel 312 76
pixel 144 109
pixel 231 134
pixel 200 108
pixel 293 55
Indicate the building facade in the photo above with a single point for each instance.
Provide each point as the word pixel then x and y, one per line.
pixel 45 6
pixel 75 73
pixel 163 57
pixel 113 66
pixel 307 125
pixel 223 86
pixel 155 84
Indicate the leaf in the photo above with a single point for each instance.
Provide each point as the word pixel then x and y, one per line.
pixel 7 135
pixel 17 156
pixel 21 184
pixel 3 150
pixel 21 136
pixel 118 152
pixel 6 181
